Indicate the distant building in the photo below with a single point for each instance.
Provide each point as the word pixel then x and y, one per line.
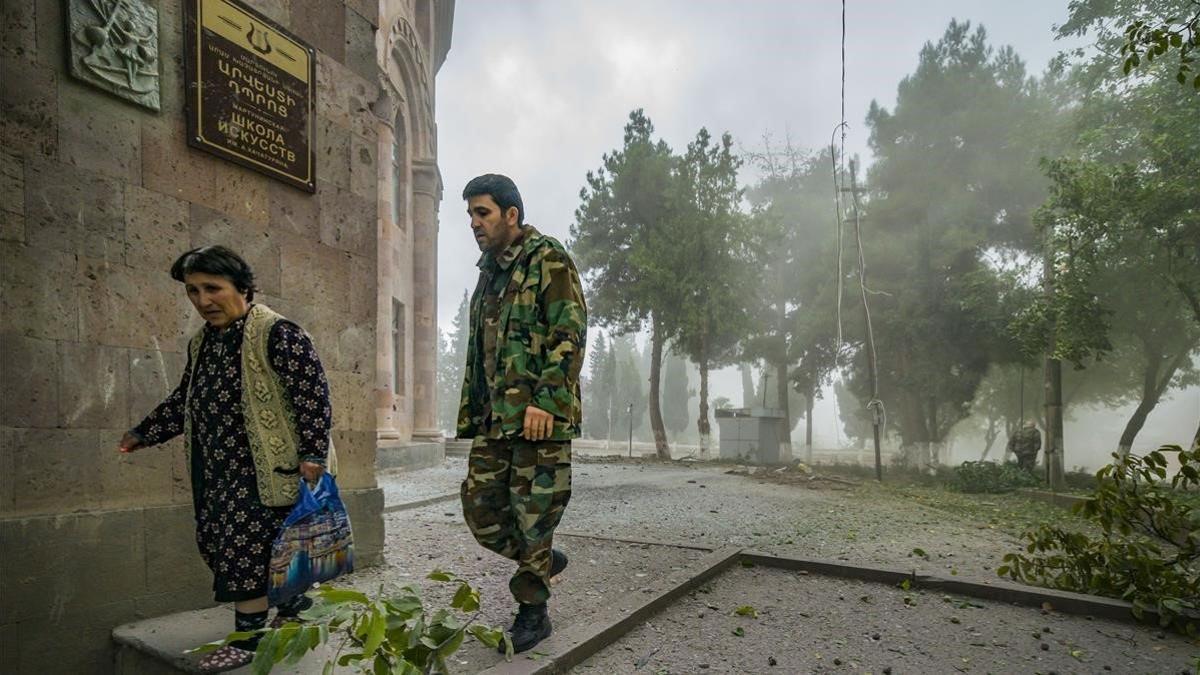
pixel 99 192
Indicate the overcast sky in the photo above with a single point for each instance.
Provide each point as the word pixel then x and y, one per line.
pixel 539 90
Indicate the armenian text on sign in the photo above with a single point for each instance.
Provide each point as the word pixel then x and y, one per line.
pixel 251 91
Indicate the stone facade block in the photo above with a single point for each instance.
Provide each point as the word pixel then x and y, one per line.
pixel 356 458
pixel 360 45
pixel 178 567
pixel 258 245
pixel 12 226
pixel 171 168
pixel 12 184
pixel 53 467
pixel 19 22
pixel 356 349
pixel 365 507
pixel 51 41
pixel 40 295
pixel 363 305
pixel 348 221
pixel 153 375
pixel 121 307
pixel 80 641
pixel 28 108
pixel 156 230
pixel 129 480
pixel 53 572
pixel 351 410
pixel 311 273
pixel 278 11
pixel 98 133
pixel 8 486
pixel 320 23
pixel 364 167
pixel 242 193
pixel 93 386
pixel 31 374
pixel 333 153
pixel 333 103
pixel 68 209
pixel 293 211
pixel 367 9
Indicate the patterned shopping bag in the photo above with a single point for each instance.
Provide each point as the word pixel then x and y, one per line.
pixel 315 543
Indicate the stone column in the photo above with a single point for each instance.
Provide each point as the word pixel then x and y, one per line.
pixel 427 189
pixel 383 396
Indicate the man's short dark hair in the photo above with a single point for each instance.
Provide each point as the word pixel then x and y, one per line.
pixel 502 191
pixel 218 261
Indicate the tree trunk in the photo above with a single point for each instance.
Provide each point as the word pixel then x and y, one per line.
pixel 989 437
pixel 656 420
pixel 1053 447
pixel 1196 439
pixel 702 423
pixel 1152 391
pixel 785 431
pixel 808 424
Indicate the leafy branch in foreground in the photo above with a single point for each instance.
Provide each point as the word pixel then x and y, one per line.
pixel 393 634
pixel 1144 39
pixel 1148 549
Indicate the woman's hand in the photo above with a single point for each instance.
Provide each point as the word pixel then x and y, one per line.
pixel 311 471
pixel 129 443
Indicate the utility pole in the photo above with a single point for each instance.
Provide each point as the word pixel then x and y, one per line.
pixel 875 405
pixel 1053 377
pixel 629 411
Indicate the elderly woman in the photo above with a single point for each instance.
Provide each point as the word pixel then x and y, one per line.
pixel 253 406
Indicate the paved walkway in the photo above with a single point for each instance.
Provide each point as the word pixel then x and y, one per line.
pixel 623 523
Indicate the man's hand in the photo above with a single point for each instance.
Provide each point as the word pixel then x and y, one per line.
pixel 538 424
pixel 129 443
pixel 311 471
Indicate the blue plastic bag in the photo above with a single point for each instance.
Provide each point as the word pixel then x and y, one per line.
pixel 315 543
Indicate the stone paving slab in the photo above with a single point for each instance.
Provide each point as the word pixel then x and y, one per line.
pixel 806 623
pixel 401 486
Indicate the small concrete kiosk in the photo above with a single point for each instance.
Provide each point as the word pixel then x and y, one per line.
pixel 750 434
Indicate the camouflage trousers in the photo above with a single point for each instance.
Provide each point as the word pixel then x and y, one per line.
pixel 514 495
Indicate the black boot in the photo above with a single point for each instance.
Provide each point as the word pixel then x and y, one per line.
pixel 531 626
pixel 289 612
pixel 558 562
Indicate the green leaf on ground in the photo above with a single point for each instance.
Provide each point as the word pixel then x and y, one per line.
pixel 746 610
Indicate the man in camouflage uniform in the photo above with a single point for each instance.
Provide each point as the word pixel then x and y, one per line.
pixel 520 398
pixel 1025 445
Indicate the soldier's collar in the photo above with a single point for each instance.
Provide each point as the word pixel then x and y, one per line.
pixel 510 254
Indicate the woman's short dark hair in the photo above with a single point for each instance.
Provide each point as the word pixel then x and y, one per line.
pixel 502 191
pixel 218 261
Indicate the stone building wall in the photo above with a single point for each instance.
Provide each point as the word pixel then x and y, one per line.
pixel 97 198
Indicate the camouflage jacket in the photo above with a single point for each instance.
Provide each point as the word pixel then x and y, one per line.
pixel 527 339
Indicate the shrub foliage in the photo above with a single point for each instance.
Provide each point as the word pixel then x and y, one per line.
pixel 1147 551
pixel 393 635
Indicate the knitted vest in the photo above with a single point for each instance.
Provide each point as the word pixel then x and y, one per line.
pixel 270 421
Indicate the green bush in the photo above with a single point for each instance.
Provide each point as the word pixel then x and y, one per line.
pixel 991 477
pixel 393 634
pixel 1148 548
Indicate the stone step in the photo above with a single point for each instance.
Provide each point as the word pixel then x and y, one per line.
pixel 156 646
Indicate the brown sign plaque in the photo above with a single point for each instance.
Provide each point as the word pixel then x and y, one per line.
pixel 251 90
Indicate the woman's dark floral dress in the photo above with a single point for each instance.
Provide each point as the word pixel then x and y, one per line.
pixel 234 530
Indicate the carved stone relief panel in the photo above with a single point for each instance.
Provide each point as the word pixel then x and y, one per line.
pixel 113 45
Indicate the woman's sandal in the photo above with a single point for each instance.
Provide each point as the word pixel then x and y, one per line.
pixel 226 658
